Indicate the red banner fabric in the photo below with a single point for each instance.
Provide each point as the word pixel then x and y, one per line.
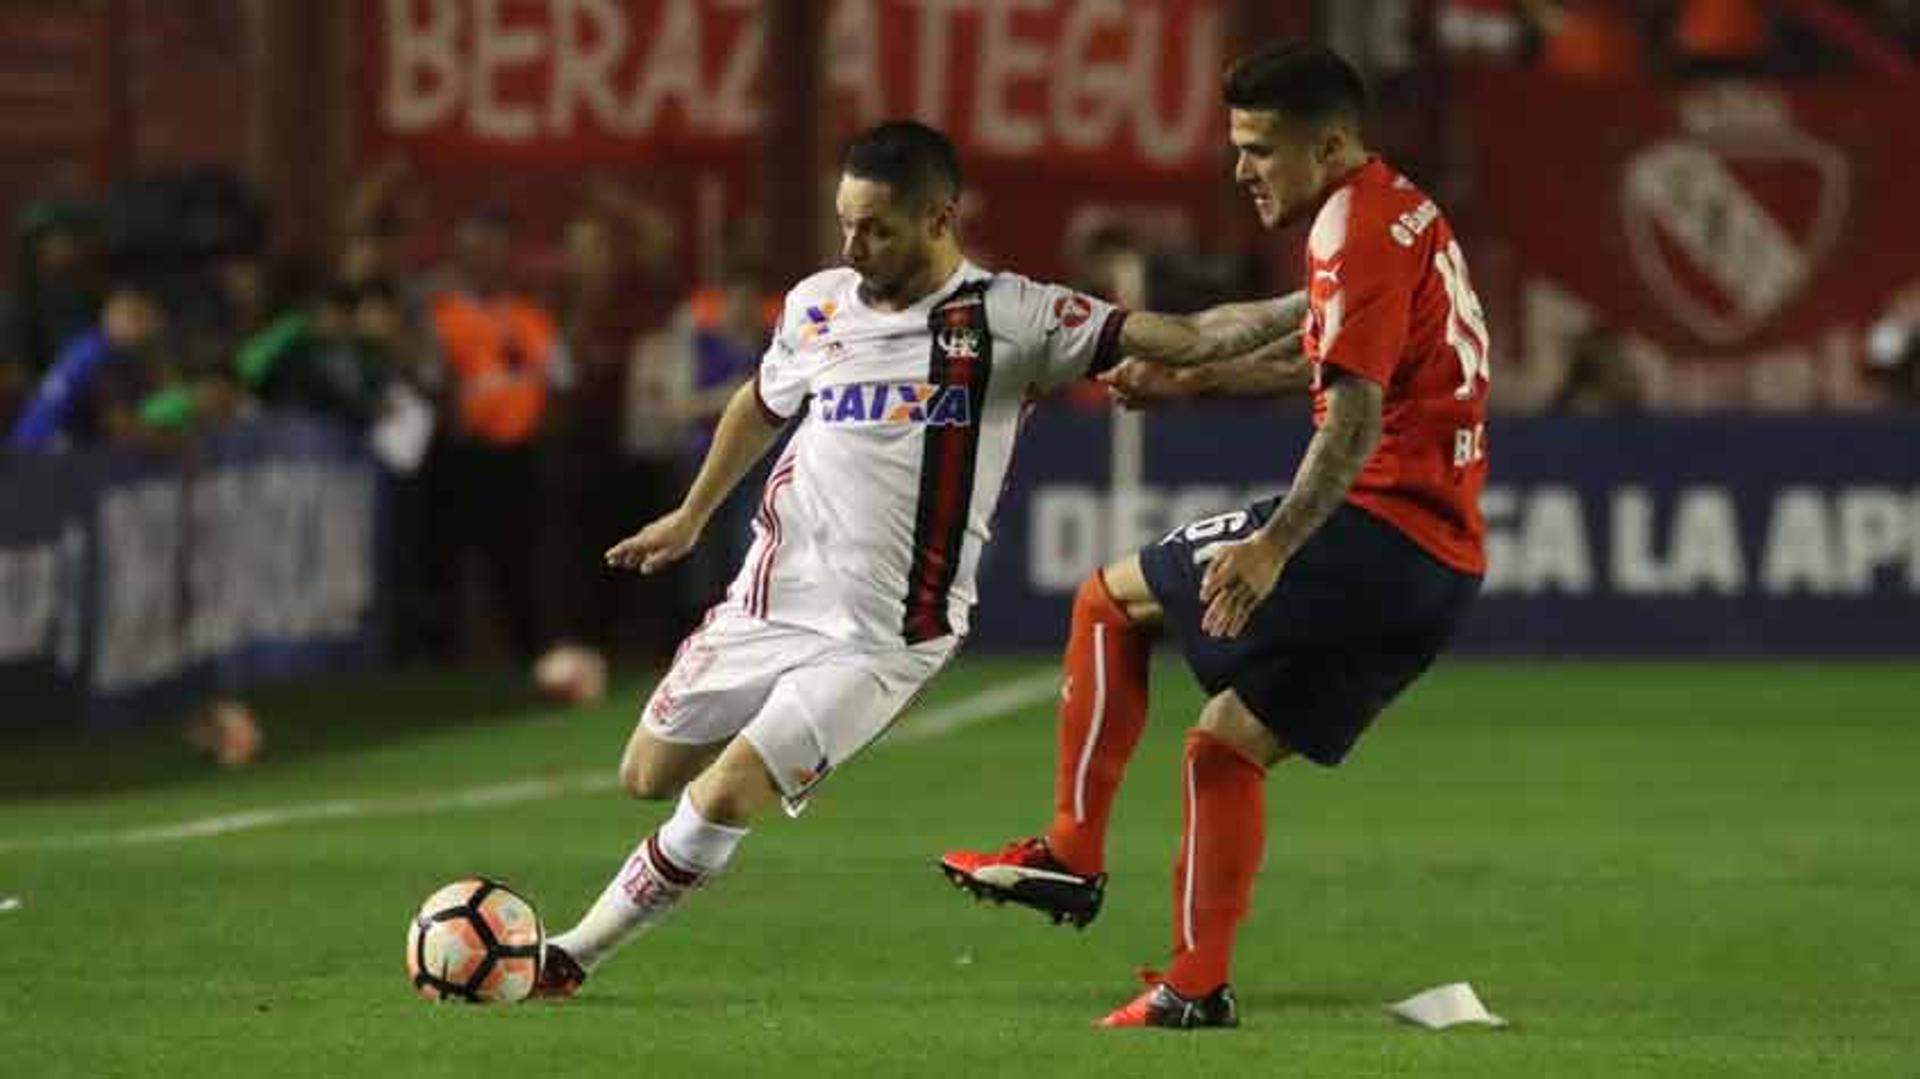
pixel 1707 224
pixel 1093 83
pixel 1067 113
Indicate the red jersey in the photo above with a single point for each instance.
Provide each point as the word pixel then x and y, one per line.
pixel 1389 301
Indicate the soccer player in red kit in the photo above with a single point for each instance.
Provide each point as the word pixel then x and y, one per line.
pixel 1303 615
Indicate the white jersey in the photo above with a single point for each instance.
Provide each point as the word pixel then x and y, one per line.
pixel 874 518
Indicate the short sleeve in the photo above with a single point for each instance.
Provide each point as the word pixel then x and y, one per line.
pixel 1074 335
pixel 1359 304
pixel 781 385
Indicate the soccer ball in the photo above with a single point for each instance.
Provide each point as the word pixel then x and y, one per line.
pixel 475 940
pixel 572 674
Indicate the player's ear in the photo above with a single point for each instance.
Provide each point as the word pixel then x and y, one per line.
pixel 1332 142
pixel 945 218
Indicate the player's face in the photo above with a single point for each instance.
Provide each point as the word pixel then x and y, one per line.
pixel 884 237
pixel 1283 164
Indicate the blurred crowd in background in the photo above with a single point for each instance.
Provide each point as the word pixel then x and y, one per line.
pixel 530 397
pixel 1677 39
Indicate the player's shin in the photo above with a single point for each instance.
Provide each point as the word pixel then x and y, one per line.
pixel 1222 839
pixel 671 862
pixel 1103 707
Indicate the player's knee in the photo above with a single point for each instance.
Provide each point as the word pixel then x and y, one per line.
pixel 1225 719
pixel 1116 593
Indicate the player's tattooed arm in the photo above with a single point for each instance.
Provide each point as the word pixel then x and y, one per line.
pixel 1243 574
pixel 1218 333
pixel 745 432
pixel 1278 369
pixel 1334 458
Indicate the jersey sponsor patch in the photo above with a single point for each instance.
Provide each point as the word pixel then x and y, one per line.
pixel 865 404
pixel 819 321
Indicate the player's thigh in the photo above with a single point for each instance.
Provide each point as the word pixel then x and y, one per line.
pixel 1320 701
pixel 1227 718
pixel 819 716
pixel 1169 572
pixel 721 678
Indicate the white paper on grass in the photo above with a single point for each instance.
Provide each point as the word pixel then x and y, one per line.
pixel 9 903
pixel 1445 1006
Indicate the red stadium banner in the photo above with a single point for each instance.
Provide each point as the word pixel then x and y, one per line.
pixel 1092 83
pixel 1741 238
pixel 1069 114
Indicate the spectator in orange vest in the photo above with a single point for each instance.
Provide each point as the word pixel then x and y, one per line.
pixel 502 356
pixel 501 350
pixel 1591 39
pixel 1721 37
pixel 1725 30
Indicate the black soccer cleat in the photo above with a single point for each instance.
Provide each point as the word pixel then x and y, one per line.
pixel 561 976
pixel 1026 872
pixel 1160 1005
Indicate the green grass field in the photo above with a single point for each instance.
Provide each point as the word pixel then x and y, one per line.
pixel 1652 870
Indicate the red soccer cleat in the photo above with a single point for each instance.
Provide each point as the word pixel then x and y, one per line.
pixel 1026 872
pixel 560 975
pixel 1160 1005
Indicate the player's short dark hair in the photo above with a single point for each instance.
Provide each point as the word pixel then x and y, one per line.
pixel 917 161
pixel 1300 79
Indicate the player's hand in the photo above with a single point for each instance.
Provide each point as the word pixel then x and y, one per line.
pixel 1139 384
pixel 1240 577
pixel 658 545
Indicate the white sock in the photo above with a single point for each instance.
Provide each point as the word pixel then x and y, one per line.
pixel 677 858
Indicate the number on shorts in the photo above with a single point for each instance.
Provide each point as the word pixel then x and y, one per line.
pixel 1200 532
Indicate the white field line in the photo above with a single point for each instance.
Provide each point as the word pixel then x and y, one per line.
pixel 978 707
pixel 965 712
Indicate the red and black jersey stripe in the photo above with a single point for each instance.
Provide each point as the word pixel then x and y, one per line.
pixel 947 460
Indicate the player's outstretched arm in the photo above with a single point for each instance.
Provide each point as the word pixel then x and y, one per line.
pixel 1279 369
pixel 744 433
pixel 1218 333
pixel 1243 574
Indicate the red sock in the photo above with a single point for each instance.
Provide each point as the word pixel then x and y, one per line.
pixel 1222 838
pixel 1102 711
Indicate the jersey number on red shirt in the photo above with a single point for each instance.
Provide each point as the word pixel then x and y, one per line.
pixel 1467 333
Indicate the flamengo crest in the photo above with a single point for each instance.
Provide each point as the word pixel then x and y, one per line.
pixel 959 343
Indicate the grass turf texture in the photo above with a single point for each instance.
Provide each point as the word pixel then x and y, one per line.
pixel 1652 870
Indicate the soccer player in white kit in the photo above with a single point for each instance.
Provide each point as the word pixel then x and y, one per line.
pixel 906 374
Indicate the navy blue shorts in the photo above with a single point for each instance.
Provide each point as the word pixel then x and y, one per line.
pixel 1358 614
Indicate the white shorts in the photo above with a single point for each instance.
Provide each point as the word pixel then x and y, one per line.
pixel 807 702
